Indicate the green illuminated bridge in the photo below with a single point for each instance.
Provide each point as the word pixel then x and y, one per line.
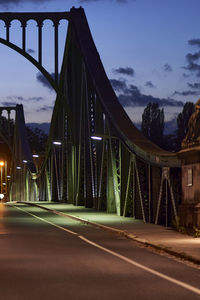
pixel 95 156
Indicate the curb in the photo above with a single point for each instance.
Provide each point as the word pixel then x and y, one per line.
pixel 130 236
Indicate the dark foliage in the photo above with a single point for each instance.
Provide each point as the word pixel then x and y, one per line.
pixel 182 122
pixel 37 139
pixel 153 126
pixel 7 126
pixel 153 123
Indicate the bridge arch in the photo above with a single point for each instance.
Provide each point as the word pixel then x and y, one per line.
pixel 33 61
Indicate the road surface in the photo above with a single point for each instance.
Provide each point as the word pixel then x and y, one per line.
pixel 44 256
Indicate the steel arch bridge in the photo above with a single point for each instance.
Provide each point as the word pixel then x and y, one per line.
pixel 95 156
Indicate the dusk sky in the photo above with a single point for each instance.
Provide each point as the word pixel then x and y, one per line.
pixel 148 48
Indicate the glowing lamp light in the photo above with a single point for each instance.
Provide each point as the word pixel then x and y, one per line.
pixel 8 176
pixel 57 143
pixel 18 168
pixel 1 196
pixel 98 138
pixel 4 183
pixel 1 163
pixel 25 161
pixel 35 155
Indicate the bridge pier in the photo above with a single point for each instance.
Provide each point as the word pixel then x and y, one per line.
pixel 189 210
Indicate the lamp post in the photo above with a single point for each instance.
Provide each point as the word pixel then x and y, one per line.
pixel 2 163
pixel 25 197
pixel 57 165
pixel 18 183
pixel 34 177
pixel 6 189
pixel 36 156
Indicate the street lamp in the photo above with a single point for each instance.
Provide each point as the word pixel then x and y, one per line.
pixel 2 163
pixel 97 138
pixel 35 155
pixel 57 143
pixel 25 161
pixel 58 166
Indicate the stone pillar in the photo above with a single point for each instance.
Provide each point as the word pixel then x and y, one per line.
pixel 189 210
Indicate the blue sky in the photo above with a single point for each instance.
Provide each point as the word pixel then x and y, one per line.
pixel 148 47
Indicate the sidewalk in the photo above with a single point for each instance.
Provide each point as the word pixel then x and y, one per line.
pixel 159 237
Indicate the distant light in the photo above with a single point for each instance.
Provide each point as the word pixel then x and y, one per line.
pixel 18 168
pixel 35 155
pixel 98 138
pixel 4 183
pixel 25 161
pixel 1 196
pixel 57 143
pixel 1 163
pixel 8 176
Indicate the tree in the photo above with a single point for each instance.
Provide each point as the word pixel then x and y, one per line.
pixel 182 122
pixel 153 123
pixel 6 127
pixel 37 139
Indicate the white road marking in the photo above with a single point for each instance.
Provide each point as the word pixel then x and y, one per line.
pixel 41 219
pixel 134 263
pixel 122 257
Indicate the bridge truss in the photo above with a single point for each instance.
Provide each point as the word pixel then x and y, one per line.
pixel 95 156
pixel 18 172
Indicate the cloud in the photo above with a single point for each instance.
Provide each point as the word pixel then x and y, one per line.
pixel 186 75
pixel 118 85
pixel 167 68
pixel 15 98
pixel 195 85
pixel 192 58
pixel 5 103
pixel 30 51
pixel 150 84
pixel 9 3
pixel 194 42
pixel 88 1
pixel 193 67
pixel 37 99
pixel 45 108
pixel 22 99
pixel 130 95
pixel 40 78
pixel 185 93
pixel 125 71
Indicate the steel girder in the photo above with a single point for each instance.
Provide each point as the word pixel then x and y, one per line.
pixel 20 174
pixel 121 173
pixel 105 174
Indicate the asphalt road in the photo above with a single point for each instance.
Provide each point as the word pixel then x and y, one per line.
pixel 44 256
